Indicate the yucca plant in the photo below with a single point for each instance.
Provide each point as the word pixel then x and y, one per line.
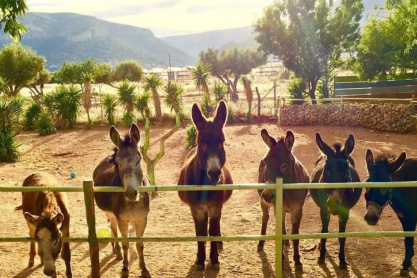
pixel 126 94
pixel 297 90
pixel 176 91
pixel 109 102
pixel 10 111
pixel 219 90
pixel 9 147
pixel 201 76
pixel 191 136
pixel 45 125
pixel 207 106
pixel 31 115
pixel 152 84
pixel 142 103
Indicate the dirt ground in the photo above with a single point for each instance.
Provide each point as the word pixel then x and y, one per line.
pixel 80 150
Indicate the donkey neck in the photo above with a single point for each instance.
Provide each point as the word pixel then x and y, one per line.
pixel 50 205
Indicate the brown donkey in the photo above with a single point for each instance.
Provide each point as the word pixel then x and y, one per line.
pixel 123 169
pixel 48 219
pixel 207 166
pixel 279 162
pixel 336 166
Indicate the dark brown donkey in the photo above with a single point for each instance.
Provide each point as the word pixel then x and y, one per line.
pixel 123 169
pixel 387 168
pixel 335 167
pixel 207 166
pixel 48 219
pixel 279 162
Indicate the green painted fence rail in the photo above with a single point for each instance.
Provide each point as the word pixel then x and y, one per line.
pixel 93 241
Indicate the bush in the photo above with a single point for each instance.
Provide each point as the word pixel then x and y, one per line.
pixel 297 89
pixel 127 95
pixel 45 125
pixel 8 147
pixel 142 103
pixel 10 112
pixel 110 104
pixel 219 90
pixel 176 91
pixel 207 106
pixel 191 136
pixel 127 118
pixel 231 116
pixel 31 115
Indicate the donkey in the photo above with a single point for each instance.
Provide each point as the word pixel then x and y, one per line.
pixel 336 166
pixel 280 162
pixel 386 168
pixel 48 219
pixel 207 166
pixel 123 169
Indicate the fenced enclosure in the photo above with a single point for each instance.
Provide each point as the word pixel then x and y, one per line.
pixel 278 237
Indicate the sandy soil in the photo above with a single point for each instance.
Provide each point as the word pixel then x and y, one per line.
pixel 80 150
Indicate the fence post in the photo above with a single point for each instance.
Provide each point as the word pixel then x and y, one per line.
pixel 275 96
pixel 278 110
pixel 278 226
pixel 91 222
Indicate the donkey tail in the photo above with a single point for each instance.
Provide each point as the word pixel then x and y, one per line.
pixel 19 207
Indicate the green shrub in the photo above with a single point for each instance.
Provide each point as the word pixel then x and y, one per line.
pixel 109 102
pixel 127 118
pixel 8 146
pixel 297 89
pixel 231 116
pixel 31 115
pixel 10 112
pixel 219 90
pixel 45 125
pixel 176 91
pixel 142 103
pixel 127 96
pixel 207 106
pixel 191 136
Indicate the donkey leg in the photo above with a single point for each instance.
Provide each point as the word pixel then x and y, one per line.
pixel 325 219
pixel 409 244
pixel 115 245
pixel 215 214
pixel 32 250
pixel 140 228
pixel 343 218
pixel 296 216
pixel 124 231
pixel 66 251
pixel 200 220
pixel 265 218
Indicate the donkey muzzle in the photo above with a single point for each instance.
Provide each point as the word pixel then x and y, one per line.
pixel 49 268
pixel 213 170
pixel 131 186
pixel 268 195
pixel 334 202
pixel 372 215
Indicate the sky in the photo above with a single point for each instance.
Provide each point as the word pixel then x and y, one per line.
pixel 163 17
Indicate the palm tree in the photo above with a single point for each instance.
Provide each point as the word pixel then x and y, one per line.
pixel 201 75
pixel 127 96
pixel 152 83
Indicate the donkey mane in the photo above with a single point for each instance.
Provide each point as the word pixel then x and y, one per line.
pixel 383 156
pixel 50 206
pixel 337 147
pixel 127 140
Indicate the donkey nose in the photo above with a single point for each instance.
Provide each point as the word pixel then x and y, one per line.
pixel 49 272
pixel 214 174
pixel 131 195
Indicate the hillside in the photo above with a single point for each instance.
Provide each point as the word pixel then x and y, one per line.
pixel 73 37
pixel 194 43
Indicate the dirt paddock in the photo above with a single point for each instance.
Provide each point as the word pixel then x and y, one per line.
pixel 80 150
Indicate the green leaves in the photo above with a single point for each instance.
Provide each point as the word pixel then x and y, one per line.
pixel 201 76
pixel 9 10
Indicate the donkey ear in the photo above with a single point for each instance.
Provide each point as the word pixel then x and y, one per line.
pixel 221 114
pixel 289 140
pixel 350 144
pixel 135 134
pixel 32 220
pixel 324 148
pixel 268 140
pixel 369 157
pixel 58 219
pixel 197 116
pixel 114 135
pixel 398 162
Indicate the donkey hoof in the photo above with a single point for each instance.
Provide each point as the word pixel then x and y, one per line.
pixel 200 267
pixel 31 263
pixel 343 266
pixel 403 272
pixel 298 266
pixel 321 261
pixel 260 248
pixel 220 246
pixel 215 267
pixel 125 272
pixel 145 274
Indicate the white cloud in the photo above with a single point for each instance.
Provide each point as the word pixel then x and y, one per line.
pixel 163 16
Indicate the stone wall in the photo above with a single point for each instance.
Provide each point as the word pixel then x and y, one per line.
pixel 387 117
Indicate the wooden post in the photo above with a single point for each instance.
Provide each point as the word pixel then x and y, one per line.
pixel 275 97
pixel 91 222
pixel 259 103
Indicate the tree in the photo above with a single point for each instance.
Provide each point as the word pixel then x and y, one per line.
pixel 129 70
pixel 201 76
pixel 308 36
pixel 387 46
pixel 9 10
pixel 152 83
pixel 231 64
pixel 19 67
pixel 36 85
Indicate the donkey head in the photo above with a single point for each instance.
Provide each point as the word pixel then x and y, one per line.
pixel 127 160
pixel 337 169
pixel 279 161
pixel 379 170
pixel 210 141
pixel 48 237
